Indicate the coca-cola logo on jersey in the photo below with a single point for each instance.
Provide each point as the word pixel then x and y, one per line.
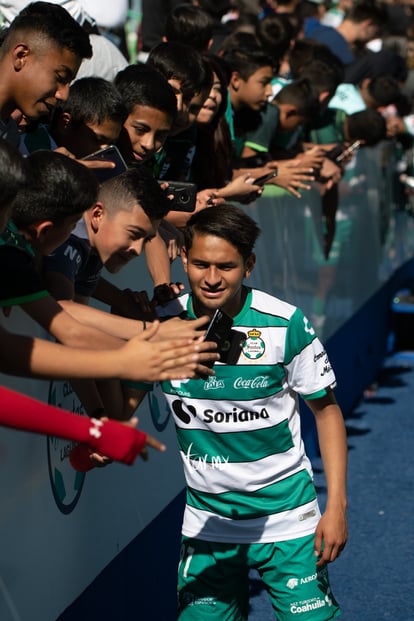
pixel 261 381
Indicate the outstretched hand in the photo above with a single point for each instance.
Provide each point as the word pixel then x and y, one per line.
pixel 176 356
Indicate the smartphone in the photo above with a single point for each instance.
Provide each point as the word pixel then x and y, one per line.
pixel 264 178
pixel 348 151
pixel 184 193
pixel 237 340
pixel 335 152
pixel 229 342
pixel 108 154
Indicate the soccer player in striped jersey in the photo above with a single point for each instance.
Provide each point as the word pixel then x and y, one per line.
pixel 251 501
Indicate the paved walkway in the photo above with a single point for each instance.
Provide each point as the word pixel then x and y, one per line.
pixel 373 579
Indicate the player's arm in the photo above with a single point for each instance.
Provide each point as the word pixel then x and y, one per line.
pixel 332 529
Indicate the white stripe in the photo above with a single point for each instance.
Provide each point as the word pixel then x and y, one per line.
pixel 283 526
pixel 220 477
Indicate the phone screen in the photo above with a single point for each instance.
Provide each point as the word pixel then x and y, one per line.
pixel 108 154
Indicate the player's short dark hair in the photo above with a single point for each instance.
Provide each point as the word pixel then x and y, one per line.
pixel 145 86
pixel 227 222
pixel 54 24
pixel 93 100
pixel 135 185
pixel 57 187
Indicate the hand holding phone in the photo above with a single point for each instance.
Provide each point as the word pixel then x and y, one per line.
pixel 265 178
pixel 184 195
pixel 348 151
pixel 340 152
pixel 229 341
pixel 107 154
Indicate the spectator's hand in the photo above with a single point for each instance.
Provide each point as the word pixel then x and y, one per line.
pixel 241 189
pixel 172 237
pixel 292 177
pixel 134 305
pixel 207 198
pixel 176 328
pixel 330 170
pixel 311 157
pixel 328 174
pixel 86 163
pixel 175 354
pixel 395 125
pixel 100 461
pixel 166 292
pixel 150 441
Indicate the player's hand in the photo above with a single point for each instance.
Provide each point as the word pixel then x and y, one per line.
pixel 331 536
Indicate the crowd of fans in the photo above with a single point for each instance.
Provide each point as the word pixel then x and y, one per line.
pixel 225 99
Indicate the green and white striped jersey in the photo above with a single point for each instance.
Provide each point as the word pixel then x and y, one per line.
pixel 247 474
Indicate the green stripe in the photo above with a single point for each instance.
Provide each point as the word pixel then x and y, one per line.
pixel 292 492
pixel 298 336
pixel 25 299
pixel 258 382
pixel 317 395
pixel 236 447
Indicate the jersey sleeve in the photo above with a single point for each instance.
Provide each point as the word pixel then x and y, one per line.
pixel 310 373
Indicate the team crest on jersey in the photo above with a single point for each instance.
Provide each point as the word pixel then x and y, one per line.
pixel 254 346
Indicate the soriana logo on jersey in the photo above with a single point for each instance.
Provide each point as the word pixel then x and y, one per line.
pixel 66 482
